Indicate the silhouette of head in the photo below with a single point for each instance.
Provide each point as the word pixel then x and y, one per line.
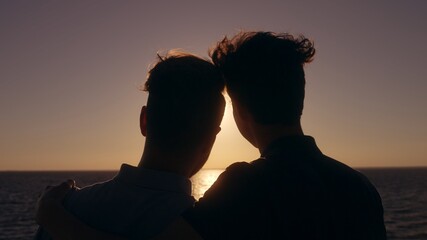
pixel 185 104
pixel 264 72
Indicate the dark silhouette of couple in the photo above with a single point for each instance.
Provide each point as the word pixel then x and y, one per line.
pixel 292 191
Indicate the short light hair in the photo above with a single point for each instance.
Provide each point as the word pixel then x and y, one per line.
pixel 185 101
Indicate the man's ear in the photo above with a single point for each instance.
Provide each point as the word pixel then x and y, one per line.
pixel 143 121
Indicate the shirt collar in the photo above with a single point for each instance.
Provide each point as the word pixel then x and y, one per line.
pixel 290 145
pixel 153 179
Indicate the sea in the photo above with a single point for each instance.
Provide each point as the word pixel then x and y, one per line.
pixel 403 192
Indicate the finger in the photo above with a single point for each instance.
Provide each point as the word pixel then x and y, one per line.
pixel 59 191
pixel 65 186
pixel 71 182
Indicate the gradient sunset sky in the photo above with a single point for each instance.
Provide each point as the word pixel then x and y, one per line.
pixel 70 73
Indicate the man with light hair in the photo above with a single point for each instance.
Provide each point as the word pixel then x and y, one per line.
pixel 180 122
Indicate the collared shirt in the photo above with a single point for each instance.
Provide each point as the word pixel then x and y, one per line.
pixel 137 204
pixel 292 192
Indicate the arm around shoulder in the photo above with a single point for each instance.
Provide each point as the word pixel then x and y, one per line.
pixel 179 229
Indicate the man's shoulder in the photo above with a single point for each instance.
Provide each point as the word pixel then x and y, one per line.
pixel 346 184
pixel 238 167
pixel 76 201
pixel 339 170
pixel 83 195
pixel 99 199
pixel 117 205
pixel 237 180
pixel 241 171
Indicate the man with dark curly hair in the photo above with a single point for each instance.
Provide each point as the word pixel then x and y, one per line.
pixel 292 191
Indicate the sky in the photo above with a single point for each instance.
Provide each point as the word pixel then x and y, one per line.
pixel 70 74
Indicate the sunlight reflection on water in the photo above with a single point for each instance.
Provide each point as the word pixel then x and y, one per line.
pixel 203 180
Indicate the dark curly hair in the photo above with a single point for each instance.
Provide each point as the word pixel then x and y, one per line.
pixel 264 72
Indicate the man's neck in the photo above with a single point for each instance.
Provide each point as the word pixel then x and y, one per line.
pixel 162 161
pixel 266 134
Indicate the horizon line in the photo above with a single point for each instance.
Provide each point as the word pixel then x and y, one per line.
pixel 112 170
